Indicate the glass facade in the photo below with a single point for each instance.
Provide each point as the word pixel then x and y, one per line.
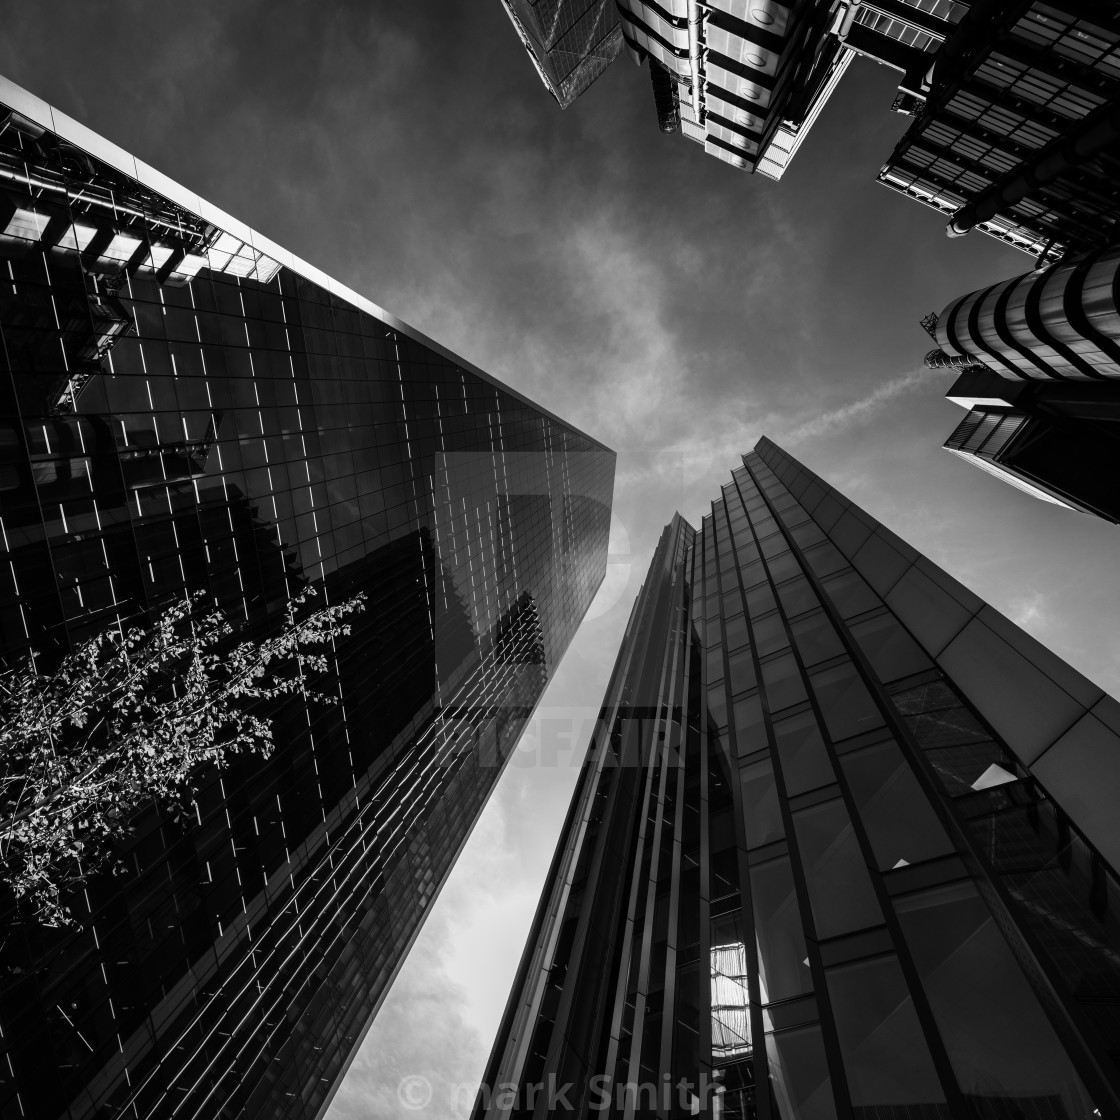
pixel 186 407
pixel 571 42
pixel 838 849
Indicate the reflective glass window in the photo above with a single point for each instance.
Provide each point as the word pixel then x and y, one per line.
pixel 735 632
pixel 999 1040
pixel 783 968
pixel 761 813
pixel 886 1057
pixel 840 890
pixel 769 635
pixel 797 597
pixel 896 814
pixel 816 639
pixel 824 559
pixel 890 649
pixel 742 671
pixel 750 731
pixel 782 680
pixel 846 704
pixel 760 600
pixel 799 1074
pixel 850 594
pixel 804 760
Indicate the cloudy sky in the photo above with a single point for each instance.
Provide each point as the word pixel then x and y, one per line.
pixel 670 306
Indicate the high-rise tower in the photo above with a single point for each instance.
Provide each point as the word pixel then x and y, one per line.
pixel 842 846
pixel 186 406
pixel 571 42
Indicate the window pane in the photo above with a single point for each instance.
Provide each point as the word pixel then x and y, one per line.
pixel 797 597
pixel 750 730
pixel 770 635
pixel 799 1074
pixel 805 763
pixel 892 652
pixel 896 813
pixel 783 682
pixel 999 1040
pixel 886 1056
pixel 763 817
pixel 846 705
pixel 760 600
pixel 849 594
pixel 825 559
pixel 736 632
pixel 840 889
pixel 782 968
pixel 815 639
pixel 742 671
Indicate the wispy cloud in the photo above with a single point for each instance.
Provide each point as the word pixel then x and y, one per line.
pixel 858 412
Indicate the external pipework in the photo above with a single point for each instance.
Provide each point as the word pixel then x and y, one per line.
pixel 695 17
pixel 848 20
pixel 1094 134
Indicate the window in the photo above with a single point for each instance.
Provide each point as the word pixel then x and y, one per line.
pixel 801 751
pixel 890 649
pixel 850 594
pixel 782 680
pixel 761 813
pixel 815 639
pixel 846 704
pixel 886 1056
pixel 783 970
pixel 840 888
pixel 997 1036
pixel 896 814
pixel 799 1074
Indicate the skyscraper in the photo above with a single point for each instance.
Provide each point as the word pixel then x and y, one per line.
pixel 186 406
pixel 842 846
pixel 1039 356
pixel 1017 133
pixel 1015 130
pixel 571 42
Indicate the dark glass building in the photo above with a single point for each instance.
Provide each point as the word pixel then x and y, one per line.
pixel 571 42
pixel 842 846
pixel 185 406
pixel 1056 440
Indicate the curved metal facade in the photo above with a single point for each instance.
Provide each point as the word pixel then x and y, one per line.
pixel 1061 322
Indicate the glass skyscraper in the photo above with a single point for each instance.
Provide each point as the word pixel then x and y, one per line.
pixel 571 42
pixel 185 406
pixel 842 846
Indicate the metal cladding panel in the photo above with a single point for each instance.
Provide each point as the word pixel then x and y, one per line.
pixel 186 407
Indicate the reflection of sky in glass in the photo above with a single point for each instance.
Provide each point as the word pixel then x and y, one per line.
pixel 731 1024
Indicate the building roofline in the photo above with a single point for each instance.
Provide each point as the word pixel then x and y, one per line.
pixel 76 133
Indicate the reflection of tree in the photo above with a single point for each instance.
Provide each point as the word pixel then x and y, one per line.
pixel 129 718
